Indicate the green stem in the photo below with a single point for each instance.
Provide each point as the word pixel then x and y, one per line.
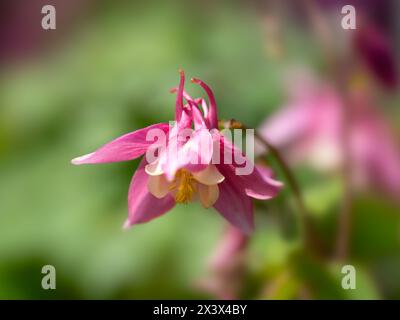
pixel 334 60
pixel 311 239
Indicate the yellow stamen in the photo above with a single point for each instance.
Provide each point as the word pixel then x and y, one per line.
pixel 183 186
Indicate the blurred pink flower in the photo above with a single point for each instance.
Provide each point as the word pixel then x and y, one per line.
pixel 310 130
pixel 375 153
pixel 183 170
pixel 227 266
pixel 21 34
pixel 378 54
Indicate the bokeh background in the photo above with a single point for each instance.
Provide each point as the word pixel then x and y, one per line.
pixel 106 70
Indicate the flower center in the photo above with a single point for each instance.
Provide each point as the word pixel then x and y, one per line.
pixel 183 186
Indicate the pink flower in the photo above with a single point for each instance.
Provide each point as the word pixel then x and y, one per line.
pixel 375 153
pixel 310 130
pixel 227 266
pixel 182 169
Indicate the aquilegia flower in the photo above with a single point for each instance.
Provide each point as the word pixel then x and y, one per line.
pixel 375 151
pixel 180 165
pixel 311 128
pixel 227 266
pixel 308 129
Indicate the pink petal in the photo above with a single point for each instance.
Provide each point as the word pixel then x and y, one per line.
pixel 375 155
pixel 143 206
pixel 179 96
pixel 195 154
pixel 308 129
pixel 185 119
pixel 204 106
pixel 257 184
pixel 265 171
pixel 127 147
pixel 185 95
pixel 234 205
pixel 197 117
pixel 268 175
pixel 290 124
pixel 212 115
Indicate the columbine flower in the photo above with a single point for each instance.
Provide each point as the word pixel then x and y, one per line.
pixel 181 169
pixel 310 130
pixel 375 153
pixel 227 266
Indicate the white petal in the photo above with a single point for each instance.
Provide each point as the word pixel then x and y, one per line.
pixel 158 186
pixel 154 169
pixel 208 194
pixel 209 176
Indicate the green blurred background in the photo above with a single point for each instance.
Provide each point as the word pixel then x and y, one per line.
pixel 108 72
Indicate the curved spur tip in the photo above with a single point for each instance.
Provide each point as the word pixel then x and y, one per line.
pixel 126 225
